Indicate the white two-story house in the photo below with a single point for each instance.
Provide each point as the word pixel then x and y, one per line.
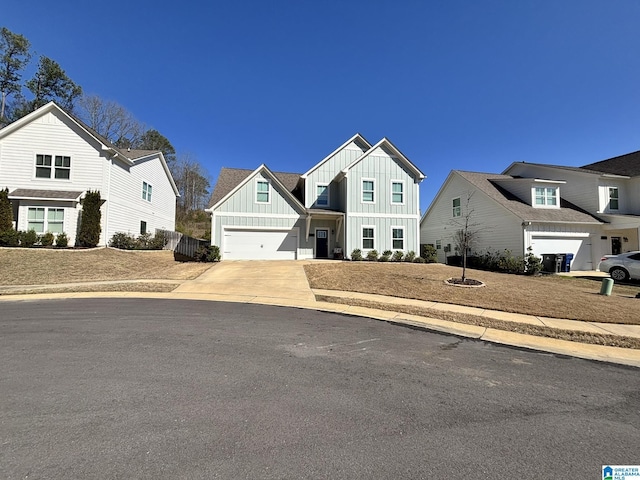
pixel 361 196
pixel 585 211
pixel 49 160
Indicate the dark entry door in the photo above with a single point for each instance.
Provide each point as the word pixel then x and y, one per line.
pixel 322 243
pixel 616 246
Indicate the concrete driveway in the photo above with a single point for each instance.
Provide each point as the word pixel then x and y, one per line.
pixel 284 279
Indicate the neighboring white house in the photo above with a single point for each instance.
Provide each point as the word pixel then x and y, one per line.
pixel 49 160
pixel 586 211
pixel 361 196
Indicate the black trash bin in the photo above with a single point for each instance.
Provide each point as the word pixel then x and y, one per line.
pixel 549 262
pixel 566 264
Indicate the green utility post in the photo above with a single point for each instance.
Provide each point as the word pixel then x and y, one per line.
pixel 607 286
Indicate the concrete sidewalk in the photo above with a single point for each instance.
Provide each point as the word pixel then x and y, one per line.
pixel 284 283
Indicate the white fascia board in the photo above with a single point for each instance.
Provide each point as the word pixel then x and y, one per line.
pixel 357 136
pixel 29 117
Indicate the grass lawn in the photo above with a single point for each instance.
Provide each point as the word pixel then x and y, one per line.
pixel 548 296
pixel 33 266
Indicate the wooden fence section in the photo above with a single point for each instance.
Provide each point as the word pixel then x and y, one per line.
pixel 182 244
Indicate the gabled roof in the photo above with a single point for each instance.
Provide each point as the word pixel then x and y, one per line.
pixel 627 165
pixel 231 180
pixel 386 143
pixel 487 183
pixel 129 156
pixel 357 138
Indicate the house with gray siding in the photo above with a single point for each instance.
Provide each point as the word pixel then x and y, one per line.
pixel 360 196
pixel 49 160
pixel 587 211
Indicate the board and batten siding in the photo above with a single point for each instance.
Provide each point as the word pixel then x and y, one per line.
pixel 382 233
pixel 326 172
pixel 244 200
pixel 242 210
pixel 382 168
pixel 499 228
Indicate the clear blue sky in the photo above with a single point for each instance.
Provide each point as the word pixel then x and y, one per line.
pixel 471 85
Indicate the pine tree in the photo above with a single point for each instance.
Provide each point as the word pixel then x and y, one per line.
pixel 6 212
pixel 89 232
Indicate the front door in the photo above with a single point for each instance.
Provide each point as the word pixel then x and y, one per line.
pixel 616 246
pixel 322 243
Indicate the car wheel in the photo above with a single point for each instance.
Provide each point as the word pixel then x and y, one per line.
pixel 619 274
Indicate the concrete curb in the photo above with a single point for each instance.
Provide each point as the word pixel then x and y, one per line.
pixel 602 353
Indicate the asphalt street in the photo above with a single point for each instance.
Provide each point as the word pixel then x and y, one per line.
pixel 153 389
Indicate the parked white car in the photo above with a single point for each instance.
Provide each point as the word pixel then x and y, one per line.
pixel 621 267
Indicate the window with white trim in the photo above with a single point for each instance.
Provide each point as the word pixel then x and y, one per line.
pixel 457 210
pixel 322 190
pixel 43 219
pixel 368 236
pixel 438 244
pixel 546 196
pixel 397 192
pixel 147 189
pixel 614 198
pixel 263 191
pixel 143 227
pixel 397 238
pixel 368 191
pixel 47 166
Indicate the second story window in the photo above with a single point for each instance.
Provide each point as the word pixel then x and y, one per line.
pixel 63 167
pixel 614 202
pixel 58 167
pixel 546 196
pixel 147 189
pixel 397 192
pixel 43 166
pixel 323 195
pixel 457 211
pixel 262 191
pixel 368 191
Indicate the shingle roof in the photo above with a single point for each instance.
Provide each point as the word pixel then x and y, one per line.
pixel 628 164
pixel 46 194
pixel 131 154
pixel 567 213
pixel 230 178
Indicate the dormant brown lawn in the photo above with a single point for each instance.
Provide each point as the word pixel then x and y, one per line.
pixel 549 295
pixel 26 266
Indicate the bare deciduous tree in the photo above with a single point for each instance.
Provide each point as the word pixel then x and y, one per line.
pixel 467 231
pixel 111 120
pixel 192 181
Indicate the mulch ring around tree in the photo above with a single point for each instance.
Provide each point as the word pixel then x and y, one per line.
pixel 467 282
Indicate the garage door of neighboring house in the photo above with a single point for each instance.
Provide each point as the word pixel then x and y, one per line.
pixel 251 244
pixel 579 246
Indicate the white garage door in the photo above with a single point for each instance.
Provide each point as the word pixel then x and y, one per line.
pixel 260 244
pixel 579 246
